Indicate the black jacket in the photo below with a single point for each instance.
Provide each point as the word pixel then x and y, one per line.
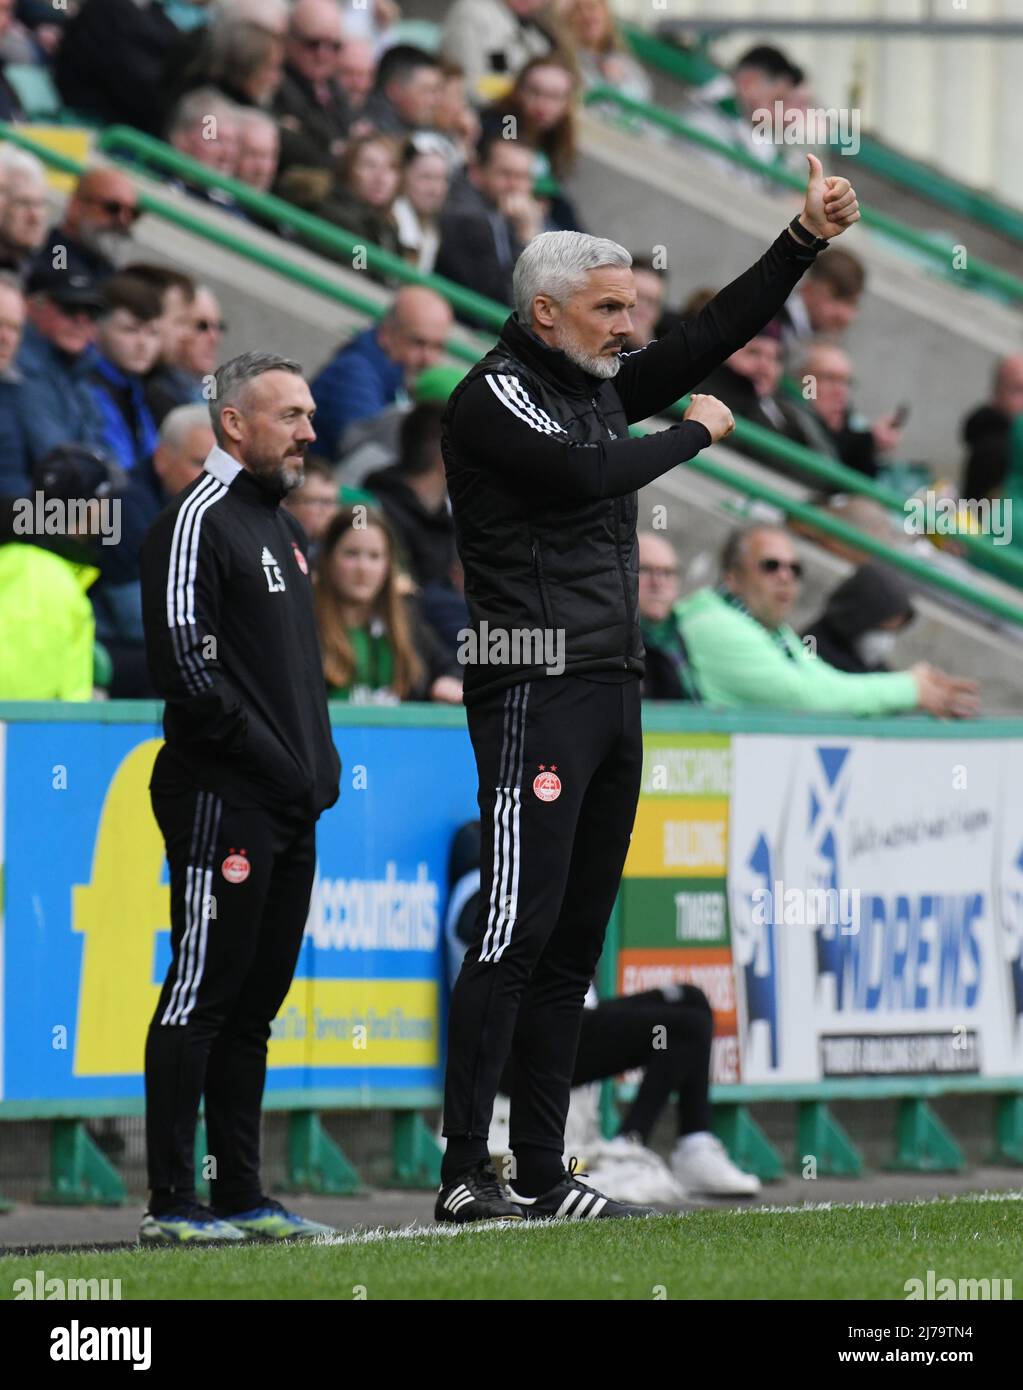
pixel 427 538
pixel 232 647
pixel 542 478
pixel 986 435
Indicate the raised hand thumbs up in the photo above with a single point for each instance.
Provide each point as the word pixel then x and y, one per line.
pixel 830 205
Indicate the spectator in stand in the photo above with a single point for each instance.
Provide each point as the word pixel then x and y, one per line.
pixel 356 70
pixel 376 368
pixel 362 202
pixel 859 626
pixel 745 655
pixel 413 495
pixel 95 230
pixel 825 420
pixel 600 52
pixel 455 118
pixel 424 190
pixel 542 105
pixel 55 359
pixel 10 105
pixel 110 62
pixel 26 210
pixel 184 441
pixel 15 480
pixel 648 310
pixel 495 214
pixel 259 145
pixel 491 40
pixel 406 92
pixel 243 60
pixel 167 386
pixel 826 301
pixel 985 431
pixel 747 382
pixel 204 125
pixel 725 109
pixel 376 649
pixel 668 675
pixel 200 345
pixel 47 629
pixel 127 348
pixel 314 503
pixel 311 107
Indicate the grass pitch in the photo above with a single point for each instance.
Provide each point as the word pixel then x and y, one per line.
pixel 829 1252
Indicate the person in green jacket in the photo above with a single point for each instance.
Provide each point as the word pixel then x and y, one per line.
pixel 47 627
pixel 745 655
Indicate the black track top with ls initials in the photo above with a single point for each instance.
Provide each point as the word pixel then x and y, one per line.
pixel 232 646
pixel 542 477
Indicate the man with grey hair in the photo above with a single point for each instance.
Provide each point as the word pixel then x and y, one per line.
pixel 247 767
pixel 542 477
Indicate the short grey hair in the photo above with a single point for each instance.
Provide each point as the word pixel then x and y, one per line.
pixel 733 550
pixel 557 263
pixel 234 377
pixel 179 423
pixel 195 106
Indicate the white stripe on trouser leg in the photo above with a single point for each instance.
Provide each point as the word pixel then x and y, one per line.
pixel 197 881
pixel 516 806
pixel 506 835
pixel 495 868
pixel 206 883
pixel 500 861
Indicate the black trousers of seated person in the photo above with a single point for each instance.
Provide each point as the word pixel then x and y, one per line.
pixel 668 1033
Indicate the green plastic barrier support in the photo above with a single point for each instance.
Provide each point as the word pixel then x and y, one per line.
pixel 747 1143
pixel 922 1143
pixel 80 1173
pixel 1008 1145
pixel 315 1162
pixel 819 1136
pixel 417 1155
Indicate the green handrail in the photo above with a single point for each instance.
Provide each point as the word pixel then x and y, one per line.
pixel 1001 558
pixel 156 153
pixel 783 448
pixel 859 540
pixel 272 260
pixel 989 278
pixel 694 69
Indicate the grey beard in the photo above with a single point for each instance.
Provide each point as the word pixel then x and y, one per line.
pixel 277 480
pixel 604 367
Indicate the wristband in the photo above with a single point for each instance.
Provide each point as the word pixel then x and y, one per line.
pixel 805 238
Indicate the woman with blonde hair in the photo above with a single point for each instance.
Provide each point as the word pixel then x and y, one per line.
pixel 376 649
pixel 600 51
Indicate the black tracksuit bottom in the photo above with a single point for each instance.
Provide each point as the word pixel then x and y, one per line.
pixel 240 882
pixel 560 761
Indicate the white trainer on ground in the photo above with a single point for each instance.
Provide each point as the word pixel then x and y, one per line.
pixel 702 1168
pixel 624 1168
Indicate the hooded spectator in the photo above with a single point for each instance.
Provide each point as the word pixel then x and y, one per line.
pixel 858 628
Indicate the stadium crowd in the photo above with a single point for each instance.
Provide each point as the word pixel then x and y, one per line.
pixel 451 160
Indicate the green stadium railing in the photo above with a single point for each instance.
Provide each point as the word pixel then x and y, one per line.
pixel 784 451
pixel 692 68
pixel 975 274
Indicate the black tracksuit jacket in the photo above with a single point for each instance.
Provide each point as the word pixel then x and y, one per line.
pixel 232 647
pixel 542 474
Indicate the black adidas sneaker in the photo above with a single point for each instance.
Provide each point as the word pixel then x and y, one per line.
pixel 573 1200
pixel 476 1195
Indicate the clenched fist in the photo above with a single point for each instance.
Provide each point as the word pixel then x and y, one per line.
pixel 709 411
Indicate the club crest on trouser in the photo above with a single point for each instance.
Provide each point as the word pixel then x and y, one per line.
pixel 547 784
pixel 300 559
pixel 236 867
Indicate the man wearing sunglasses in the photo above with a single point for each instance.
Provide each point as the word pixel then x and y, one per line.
pixel 311 107
pixel 94 234
pixel 744 654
